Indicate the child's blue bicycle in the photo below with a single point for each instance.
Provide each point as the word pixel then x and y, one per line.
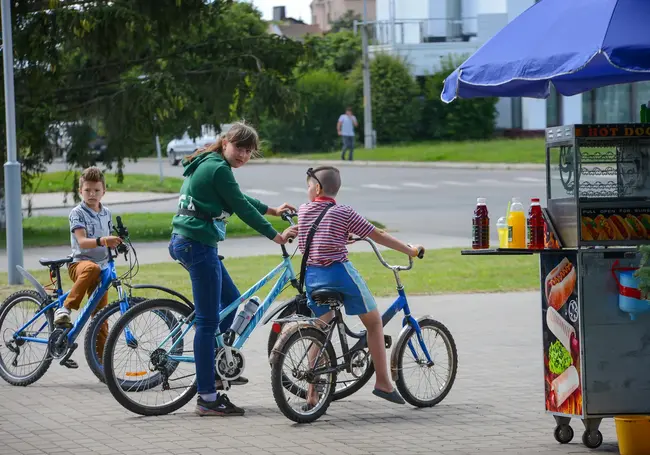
pixel 315 363
pixel 29 340
pixel 148 358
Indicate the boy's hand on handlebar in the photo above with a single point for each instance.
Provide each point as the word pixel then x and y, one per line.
pixel 289 234
pixel 418 251
pixel 277 211
pixel 111 241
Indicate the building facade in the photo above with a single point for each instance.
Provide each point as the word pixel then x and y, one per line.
pixel 325 12
pixel 425 31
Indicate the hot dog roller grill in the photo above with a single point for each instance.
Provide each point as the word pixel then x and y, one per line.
pixel 595 325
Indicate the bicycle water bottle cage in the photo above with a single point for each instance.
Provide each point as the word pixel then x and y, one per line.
pixel 333 299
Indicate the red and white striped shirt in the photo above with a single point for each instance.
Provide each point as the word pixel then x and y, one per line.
pixel 329 244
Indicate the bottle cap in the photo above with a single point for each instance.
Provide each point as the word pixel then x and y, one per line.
pixel 515 199
pixel 481 200
pixel 534 199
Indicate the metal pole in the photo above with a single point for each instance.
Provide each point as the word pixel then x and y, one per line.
pixel 392 22
pixel 367 107
pixel 13 205
pixel 160 162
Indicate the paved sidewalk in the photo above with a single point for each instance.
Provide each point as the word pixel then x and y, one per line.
pixel 154 252
pixel 62 200
pixel 495 406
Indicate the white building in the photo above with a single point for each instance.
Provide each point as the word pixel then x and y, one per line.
pixel 424 31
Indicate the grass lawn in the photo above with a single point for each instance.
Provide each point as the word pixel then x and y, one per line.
pixel 143 227
pixel 442 271
pixel 493 151
pixel 54 182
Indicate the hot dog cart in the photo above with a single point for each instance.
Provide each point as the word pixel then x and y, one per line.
pixel 595 322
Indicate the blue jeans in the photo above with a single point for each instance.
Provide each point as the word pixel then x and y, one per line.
pixel 211 285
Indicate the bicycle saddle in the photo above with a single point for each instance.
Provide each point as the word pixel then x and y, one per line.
pixel 48 262
pixel 327 297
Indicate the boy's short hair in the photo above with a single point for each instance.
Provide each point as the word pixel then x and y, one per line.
pixel 92 174
pixel 329 178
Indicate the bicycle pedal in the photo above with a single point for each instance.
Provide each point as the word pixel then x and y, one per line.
pixel 70 364
pixel 388 341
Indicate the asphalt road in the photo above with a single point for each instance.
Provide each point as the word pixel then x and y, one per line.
pixel 418 202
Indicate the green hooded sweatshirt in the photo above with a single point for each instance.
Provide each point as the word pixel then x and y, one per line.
pixel 210 188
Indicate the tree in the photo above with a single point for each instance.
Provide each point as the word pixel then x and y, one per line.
pixel 338 52
pixel 464 119
pixel 345 22
pixel 321 96
pixel 395 103
pixel 136 68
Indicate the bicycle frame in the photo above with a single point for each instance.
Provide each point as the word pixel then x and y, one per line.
pixel 287 275
pixel 108 277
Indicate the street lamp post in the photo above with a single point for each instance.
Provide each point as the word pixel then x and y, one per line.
pixel 13 205
pixel 367 106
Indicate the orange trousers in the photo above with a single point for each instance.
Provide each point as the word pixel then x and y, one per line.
pixel 86 277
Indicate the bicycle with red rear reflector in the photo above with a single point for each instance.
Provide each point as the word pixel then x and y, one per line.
pixel 316 364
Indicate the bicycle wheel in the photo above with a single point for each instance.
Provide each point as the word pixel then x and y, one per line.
pixel 285 367
pixel 151 392
pixel 16 311
pixel 108 314
pixel 409 345
pixel 347 383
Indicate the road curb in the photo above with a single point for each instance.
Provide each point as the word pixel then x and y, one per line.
pixel 138 201
pixel 405 164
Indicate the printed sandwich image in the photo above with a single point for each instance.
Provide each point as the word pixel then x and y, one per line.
pixel 615 227
pixel 561 341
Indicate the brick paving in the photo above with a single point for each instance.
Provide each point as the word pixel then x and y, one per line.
pixel 495 406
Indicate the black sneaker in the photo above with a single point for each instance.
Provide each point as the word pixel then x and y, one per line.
pixel 220 407
pixel 239 381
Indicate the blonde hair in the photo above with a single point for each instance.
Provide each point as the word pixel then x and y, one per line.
pixel 240 134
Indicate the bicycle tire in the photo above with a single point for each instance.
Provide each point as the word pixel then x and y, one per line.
pixel 115 387
pixel 90 341
pixel 400 348
pixel 338 394
pixel 277 377
pixel 13 299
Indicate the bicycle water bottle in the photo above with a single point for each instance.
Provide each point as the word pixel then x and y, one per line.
pixel 245 315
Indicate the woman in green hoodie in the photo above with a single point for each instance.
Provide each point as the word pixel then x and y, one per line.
pixel 209 195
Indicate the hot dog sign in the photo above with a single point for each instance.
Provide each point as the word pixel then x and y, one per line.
pixel 563 391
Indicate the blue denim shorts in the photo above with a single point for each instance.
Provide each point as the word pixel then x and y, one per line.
pixel 344 278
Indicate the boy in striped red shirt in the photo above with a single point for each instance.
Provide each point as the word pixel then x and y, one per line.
pixel 328 266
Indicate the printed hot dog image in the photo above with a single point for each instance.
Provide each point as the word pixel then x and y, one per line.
pixel 559 284
pixel 561 330
pixel 615 224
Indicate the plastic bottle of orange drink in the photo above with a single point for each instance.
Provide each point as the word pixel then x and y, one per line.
pixel 516 225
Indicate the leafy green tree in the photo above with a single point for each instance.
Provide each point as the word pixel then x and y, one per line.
pixel 345 22
pixel 136 68
pixel 338 52
pixel 395 103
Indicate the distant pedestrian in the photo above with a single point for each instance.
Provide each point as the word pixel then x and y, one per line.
pixel 345 127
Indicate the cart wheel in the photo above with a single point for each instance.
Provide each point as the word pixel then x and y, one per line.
pixel 592 440
pixel 563 434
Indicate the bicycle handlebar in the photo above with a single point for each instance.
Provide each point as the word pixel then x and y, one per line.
pixel 383 261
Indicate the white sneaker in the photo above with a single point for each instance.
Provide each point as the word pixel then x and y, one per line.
pixel 62 316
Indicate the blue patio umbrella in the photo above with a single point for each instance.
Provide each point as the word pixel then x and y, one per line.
pixel 576 45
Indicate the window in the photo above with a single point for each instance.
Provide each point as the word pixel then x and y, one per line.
pixel 516 113
pixel 612 104
pixel 588 107
pixel 642 96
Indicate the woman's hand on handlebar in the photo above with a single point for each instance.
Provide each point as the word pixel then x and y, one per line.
pixel 277 211
pixel 287 235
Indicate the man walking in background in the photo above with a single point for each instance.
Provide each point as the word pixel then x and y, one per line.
pixel 345 127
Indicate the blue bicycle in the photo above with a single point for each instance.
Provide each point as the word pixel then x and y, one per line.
pixel 151 372
pixel 29 340
pixel 303 356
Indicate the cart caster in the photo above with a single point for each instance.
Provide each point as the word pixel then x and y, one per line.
pixel 563 434
pixel 593 439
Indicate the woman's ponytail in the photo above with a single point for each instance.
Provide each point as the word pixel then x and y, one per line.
pixel 216 147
